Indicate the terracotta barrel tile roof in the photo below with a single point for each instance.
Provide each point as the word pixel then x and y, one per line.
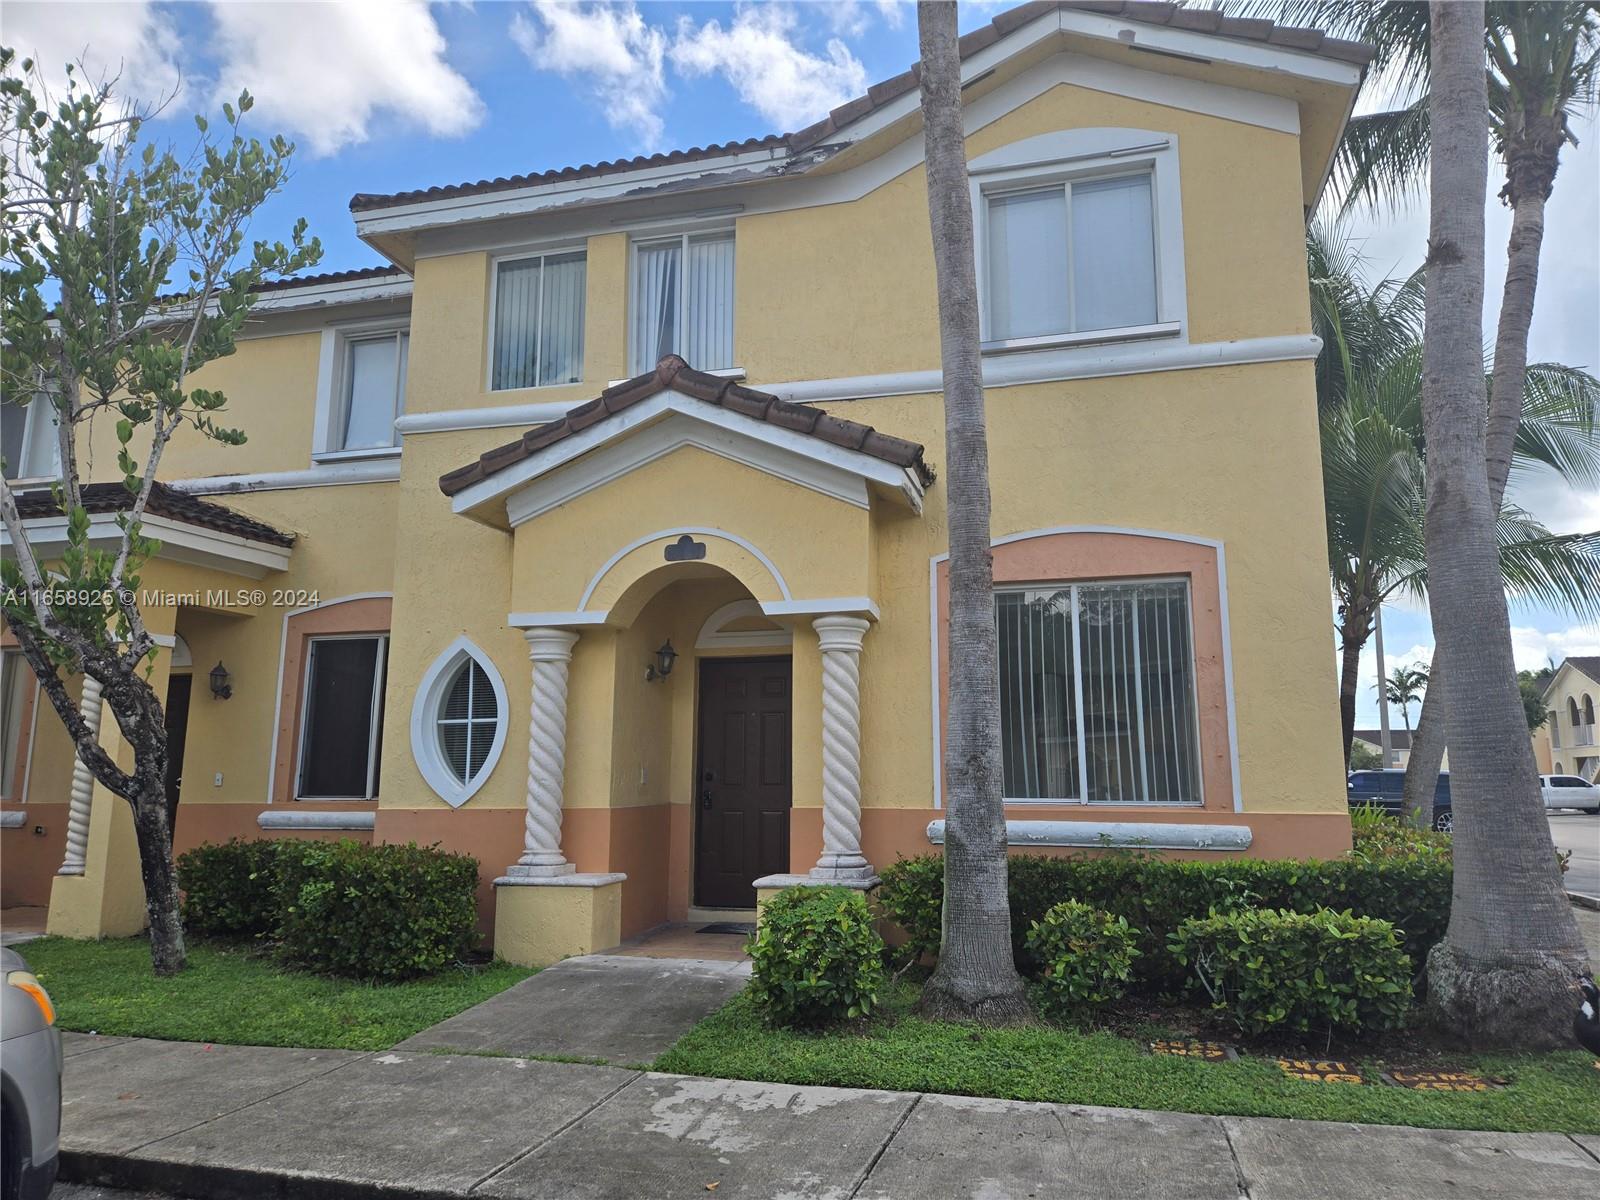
pixel 1207 21
pixel 673 374
pixel 165 502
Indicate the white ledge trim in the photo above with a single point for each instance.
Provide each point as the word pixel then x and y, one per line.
pixel 774 882
pixel 13 818
pixel 372 470
pixel 1093 835
pixel 595 880
pixel 317 820
pixel 1010 369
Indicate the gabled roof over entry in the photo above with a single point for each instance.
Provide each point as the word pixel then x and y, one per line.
pixel 683 392
pixel 1588 665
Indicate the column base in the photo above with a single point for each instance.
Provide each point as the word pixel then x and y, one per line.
pixel 531 871
pixel 539 920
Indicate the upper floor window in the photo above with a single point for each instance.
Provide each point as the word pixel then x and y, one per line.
pixel 1097 693
pixel 538 321
pixel 28 439
pixel 683 301
pixel 374 391
pixel 1071 258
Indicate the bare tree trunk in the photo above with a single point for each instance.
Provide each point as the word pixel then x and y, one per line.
pixel 1353 626
pixel 1504 972
pixel 1385 738
pixel 977 976
pixel 1531 165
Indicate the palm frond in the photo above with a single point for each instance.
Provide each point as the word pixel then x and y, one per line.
pixel 1382 160
pixel 1560 428
pixel 1558 570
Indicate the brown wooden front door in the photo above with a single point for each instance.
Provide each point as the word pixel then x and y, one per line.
pixel 742 793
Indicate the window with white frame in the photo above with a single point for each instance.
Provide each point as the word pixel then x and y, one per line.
pixel 28 439
pixel 1097 693
pixel 458 722
pixel 538 320
pixel 467 722
pixel 372 390
pixel 341 721
pixel 682 301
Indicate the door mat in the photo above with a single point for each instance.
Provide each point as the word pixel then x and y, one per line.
pixel 743 927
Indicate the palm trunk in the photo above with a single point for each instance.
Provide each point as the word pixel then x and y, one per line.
pixel 1427 751
pixel 976 977
pixel 1353 628
pixel 1502 975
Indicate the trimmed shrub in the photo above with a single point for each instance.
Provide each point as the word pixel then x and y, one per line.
pixel 384 912
pixel 229 888
pixel 1310 972
pixel 1085 956
pixel 816 957
pixel 1409 889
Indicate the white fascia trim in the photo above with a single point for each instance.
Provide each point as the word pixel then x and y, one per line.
pixel 180 542
pixel 331 474
pixel 1011 368
pixel 283 819
pixel 844 605
pixel 620 458
pixel 13 818
pixel 555 619
pixel 693 530
pixel 353 291
pixel 424 711
pixel 713 637
pixel 1145 835
pixel 277 691
pixel 516 477
pixel 1026 535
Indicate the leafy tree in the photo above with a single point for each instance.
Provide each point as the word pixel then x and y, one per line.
pixel 1503 973
pixel 1532 685
pixel 1364 758
pixel 94 225
pixel 977 976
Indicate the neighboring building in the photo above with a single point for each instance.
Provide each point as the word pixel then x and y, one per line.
pixel 1566 743
pixel 1399 744
pixel 772 510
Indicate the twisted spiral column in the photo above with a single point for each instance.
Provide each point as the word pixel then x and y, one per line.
pixel 82 792
pixel 840 640
pixel 550 651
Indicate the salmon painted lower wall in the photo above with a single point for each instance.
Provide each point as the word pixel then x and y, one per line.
pixel 29 861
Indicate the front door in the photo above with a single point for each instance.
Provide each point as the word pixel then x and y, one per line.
pixel 178 689
pixel 742 794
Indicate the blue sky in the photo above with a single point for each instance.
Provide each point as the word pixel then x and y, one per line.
pixel 388 95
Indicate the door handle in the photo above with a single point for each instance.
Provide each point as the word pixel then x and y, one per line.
pixel 705 798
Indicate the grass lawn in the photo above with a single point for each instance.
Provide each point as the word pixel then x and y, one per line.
pixel 236 995
pixel 1554 1092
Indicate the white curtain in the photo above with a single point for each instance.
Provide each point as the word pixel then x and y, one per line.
pixel 1028 264
pixel 708 308
pixel 516 321
pixel 467 721
pixel 655 303
pixel 561 320
pixel 1038 715
pixel 372 388
pixel 1113 253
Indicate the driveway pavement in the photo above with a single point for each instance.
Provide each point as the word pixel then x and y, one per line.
pixel 238 1123
pixel 1580 833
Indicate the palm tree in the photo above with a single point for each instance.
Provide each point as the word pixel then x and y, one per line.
pixel 976 977
pixel 1503 973
pixel 1541 61
pixel 1403 687
pixel 1369 388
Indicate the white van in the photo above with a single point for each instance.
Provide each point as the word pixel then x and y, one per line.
pixel 1568 791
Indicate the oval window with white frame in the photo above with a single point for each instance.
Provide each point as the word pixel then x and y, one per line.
pixel 458 722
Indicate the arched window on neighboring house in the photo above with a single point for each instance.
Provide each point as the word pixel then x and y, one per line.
pixel 1572 711
pixel 1557 769
pixel 1588 709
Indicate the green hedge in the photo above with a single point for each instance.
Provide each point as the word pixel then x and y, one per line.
pixel 384 912
pixel 815 958
pixel 1085 956
pixel 1310 972
pixel 1409 888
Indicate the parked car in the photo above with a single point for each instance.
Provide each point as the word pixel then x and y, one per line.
pixel 30 1084
pixel 1386 789
pixel 1569 791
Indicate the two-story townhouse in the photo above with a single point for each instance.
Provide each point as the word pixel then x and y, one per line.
pixel 1568 743
pixel 648 612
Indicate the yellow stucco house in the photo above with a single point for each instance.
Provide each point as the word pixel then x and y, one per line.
pixel 1566 744
pixel 600 534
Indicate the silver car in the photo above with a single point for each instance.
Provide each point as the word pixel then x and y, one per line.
pixel 30 1084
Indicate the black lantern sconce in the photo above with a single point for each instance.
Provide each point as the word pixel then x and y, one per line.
pixel 662 667
pixel 221 689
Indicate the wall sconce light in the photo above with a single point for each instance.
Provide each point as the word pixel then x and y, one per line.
pixel 662 667
pixel 221 689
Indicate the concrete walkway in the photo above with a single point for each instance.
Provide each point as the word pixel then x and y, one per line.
pixel 606 1007
pixel 238 1123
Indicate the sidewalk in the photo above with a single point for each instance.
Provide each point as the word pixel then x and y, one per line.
pixel 245 1122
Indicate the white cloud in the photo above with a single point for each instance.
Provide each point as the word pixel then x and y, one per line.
pixel 133 41
pixel 611 48
pixel 759 55
pixel 328 71
pixel 852 18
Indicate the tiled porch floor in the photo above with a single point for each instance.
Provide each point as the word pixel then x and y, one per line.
pixel 681 941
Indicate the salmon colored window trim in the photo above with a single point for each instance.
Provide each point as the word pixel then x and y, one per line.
pixel 368 615
pixel 1105 557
